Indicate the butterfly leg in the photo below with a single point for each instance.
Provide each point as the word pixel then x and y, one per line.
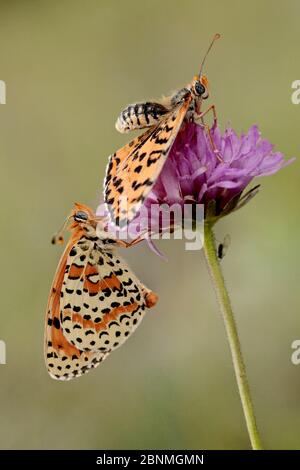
pixel 124 244
pixel 211 108
pixel 213 145
pixel 142 237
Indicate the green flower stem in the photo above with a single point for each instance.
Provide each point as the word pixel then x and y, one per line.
pixel 232 334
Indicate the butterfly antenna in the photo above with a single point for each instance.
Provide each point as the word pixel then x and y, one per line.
pixel 58 238
pixel 216 36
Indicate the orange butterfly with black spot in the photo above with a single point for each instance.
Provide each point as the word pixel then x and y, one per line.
pixel 133 169
pixel 95 302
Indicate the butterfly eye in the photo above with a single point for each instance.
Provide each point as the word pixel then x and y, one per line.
pixel 199 88
pixel 80 216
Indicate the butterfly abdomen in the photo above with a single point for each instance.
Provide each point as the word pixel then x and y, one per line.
pixel 140 116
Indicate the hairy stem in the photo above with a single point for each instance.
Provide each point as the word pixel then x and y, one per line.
pixel 232 335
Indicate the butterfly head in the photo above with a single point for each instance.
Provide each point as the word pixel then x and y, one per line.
pixel 81 214
pixel 84 218
pixel 200 87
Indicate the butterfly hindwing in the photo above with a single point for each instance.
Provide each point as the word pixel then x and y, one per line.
pixel 102 302
pixel 95 302
pixel 63 360
pixel 133 169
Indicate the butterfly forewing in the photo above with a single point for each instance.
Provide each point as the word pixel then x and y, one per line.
pixel 133 169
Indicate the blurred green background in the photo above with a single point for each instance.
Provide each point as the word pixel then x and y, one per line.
pixel 69 67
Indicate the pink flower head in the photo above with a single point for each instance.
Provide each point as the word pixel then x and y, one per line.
pixel 196 172
pixel 212 171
